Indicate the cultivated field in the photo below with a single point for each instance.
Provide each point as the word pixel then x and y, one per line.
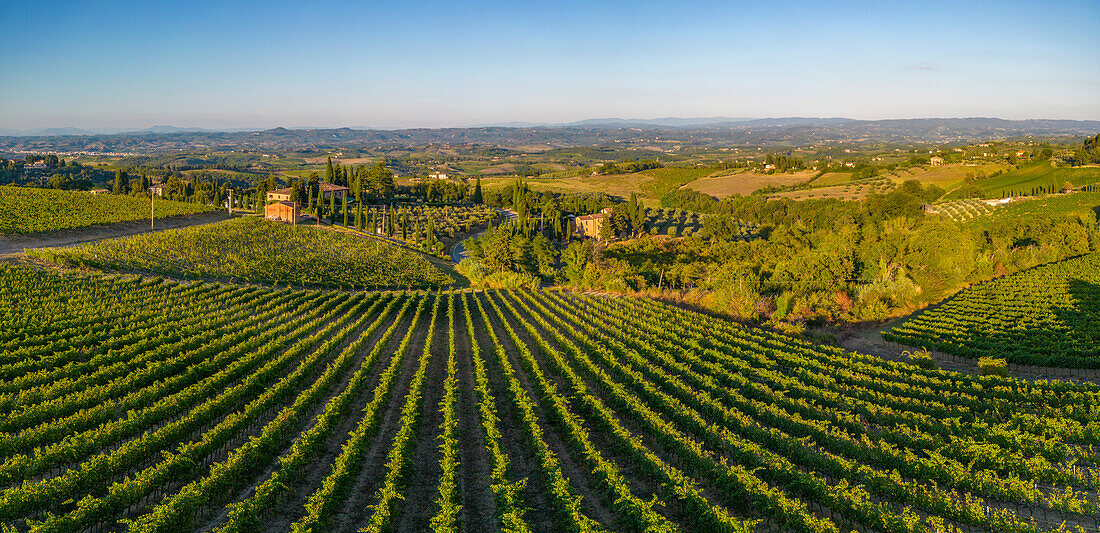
pixel 1079 204
pixel 1040 174
pixel 255 250
pixel 964 210
pixel 745 183
pixel 155 406
pixel 33 210
pixel 850 191
pixel 1048 315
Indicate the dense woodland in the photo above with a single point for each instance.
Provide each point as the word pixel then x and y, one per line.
pixel 792 260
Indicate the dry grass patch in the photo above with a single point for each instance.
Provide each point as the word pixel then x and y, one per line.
pixel 343 161
pixel 832 178
pixel 746 182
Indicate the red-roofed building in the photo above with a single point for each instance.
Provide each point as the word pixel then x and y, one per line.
pixel 328 189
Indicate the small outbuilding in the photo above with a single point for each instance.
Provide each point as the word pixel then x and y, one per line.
pixel 280 195
pixel 284 211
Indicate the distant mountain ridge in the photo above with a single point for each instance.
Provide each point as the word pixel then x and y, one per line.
pixel 613 123
pixel 780 133
pixel 6 132
pixel 669 122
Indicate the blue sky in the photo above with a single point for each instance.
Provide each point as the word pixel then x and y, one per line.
pixel 230 64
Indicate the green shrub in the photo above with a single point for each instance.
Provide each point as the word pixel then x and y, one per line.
pixel 921 358
pixel 993 366
pixel 505 279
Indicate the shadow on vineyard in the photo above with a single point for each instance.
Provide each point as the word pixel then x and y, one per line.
pixel 1082 318
pixel 1043 316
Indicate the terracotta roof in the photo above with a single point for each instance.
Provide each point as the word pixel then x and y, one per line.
pixel 326 186
pixel 285 202
pixel 287 190
pixel 595 216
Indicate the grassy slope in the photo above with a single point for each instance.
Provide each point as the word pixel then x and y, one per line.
pixel 33 210
pixel 257 250
pixel 668 179
pixel 649 185
pixel 945 177
pixel 616 185
pixel 831 178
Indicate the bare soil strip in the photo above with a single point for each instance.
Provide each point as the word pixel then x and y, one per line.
pixel 475 466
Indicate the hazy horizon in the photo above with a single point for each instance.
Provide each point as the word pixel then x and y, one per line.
pixel 516 124
pixel 437 64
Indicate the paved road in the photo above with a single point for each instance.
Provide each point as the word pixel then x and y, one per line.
pixel 459 252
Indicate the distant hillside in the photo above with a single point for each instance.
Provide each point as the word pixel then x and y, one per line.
pixel 779 132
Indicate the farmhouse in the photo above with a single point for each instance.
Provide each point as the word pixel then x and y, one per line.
pixel 157 189
pixel 936 161
pixel 99 191
pixel 438 175
pixel 328 190
pixel 589 225
pixel 280 195
pixel 282 210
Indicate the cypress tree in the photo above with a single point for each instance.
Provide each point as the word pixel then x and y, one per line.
pixel 332 206
pixel 359 200
pixel 122 182
pixel 477 198
pixel 330 173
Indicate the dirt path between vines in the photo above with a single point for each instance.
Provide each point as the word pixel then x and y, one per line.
pixel 13 245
